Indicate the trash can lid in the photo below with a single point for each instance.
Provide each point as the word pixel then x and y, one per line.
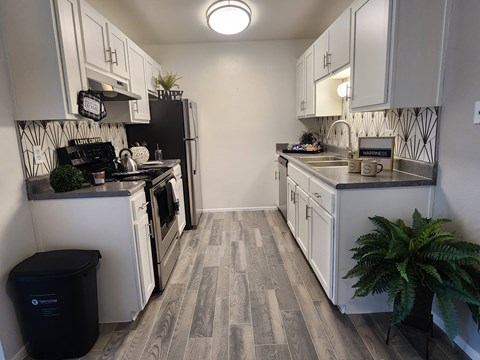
pixel 56 263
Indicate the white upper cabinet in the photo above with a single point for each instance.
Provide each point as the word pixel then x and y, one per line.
pixel 45 61
pixel 398 53
pixel 153 70
pixel 332 48
pixel 305 84
pixel 139 109
pixel 105 46
pixel 118 51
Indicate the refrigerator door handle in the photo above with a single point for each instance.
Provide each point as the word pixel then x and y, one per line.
pixel 195 166
pixel 194 120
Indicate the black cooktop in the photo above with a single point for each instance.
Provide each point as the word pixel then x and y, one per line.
pixel 97 157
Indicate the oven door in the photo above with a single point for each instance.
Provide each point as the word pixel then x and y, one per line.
pixel 163 214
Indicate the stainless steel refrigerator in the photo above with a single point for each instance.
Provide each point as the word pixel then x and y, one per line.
pixel 174 127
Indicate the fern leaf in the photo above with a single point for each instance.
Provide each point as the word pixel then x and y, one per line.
pixel 402 269
pixel 431 270
pixel 449 314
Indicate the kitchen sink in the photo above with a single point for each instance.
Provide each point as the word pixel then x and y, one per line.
pixel 320 158
pixel 327 163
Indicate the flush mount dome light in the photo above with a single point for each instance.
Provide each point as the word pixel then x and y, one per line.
pixel 229 17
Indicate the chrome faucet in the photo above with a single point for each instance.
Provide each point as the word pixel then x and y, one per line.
pixel 349 147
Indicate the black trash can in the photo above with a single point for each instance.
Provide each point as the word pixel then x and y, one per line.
pixel 55 297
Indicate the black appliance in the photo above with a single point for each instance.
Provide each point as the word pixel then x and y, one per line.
pixel 159 194
pixel 174 127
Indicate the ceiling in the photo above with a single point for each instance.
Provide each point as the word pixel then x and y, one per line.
pixel 156 22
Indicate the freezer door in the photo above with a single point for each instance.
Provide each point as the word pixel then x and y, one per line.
pixel 190 118
pixel 194 181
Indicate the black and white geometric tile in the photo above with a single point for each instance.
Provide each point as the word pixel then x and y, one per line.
pixel 50 135
pixel 415 130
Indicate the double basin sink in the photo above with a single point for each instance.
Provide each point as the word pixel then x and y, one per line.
pixel 322 161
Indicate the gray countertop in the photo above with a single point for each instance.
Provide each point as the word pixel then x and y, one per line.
pixel 38 188
pixel 339 177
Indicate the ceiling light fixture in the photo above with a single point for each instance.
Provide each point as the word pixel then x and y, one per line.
pixel 229 17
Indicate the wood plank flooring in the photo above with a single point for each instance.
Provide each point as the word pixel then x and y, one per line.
pixel 242 290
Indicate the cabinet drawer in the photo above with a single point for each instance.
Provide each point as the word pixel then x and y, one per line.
pixel 139 205
pixel 298 176
pixel 323 195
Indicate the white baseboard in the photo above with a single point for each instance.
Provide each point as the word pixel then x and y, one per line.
pixel 462 344
pixel 21 354
pixel 240 209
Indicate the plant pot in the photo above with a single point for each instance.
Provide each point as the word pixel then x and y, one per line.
pixel 421 315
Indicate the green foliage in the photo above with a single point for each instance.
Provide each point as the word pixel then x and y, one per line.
pixel 66 178
pixel 168 81
pixel 396 259
pixel 308 137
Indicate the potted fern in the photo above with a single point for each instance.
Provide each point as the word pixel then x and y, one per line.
pixel 168 82
pixel 412 264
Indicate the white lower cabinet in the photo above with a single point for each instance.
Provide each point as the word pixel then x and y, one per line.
pixel 116 226
pixel 320 230
pixel 291 208
pixel 326 223
pixel 302 220
pixel 144 255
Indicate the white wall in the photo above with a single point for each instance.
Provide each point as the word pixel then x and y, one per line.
pixel 246 102
pixel 457 192
pixel 17 240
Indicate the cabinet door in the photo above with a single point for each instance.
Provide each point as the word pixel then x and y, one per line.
pixel 151 86
pixel 321 245
pixel 118 51
pixel 139 109
pixel 68 23
pixel 144 256
pixel 301 86
pixel 321 49
pixel 291 211
pixel 302 221
pixel 309 82
pixel 339 47
pixel 371 50
pixel 94 28
pixel 181 202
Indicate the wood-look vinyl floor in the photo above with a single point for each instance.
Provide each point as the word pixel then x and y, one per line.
pixel 243 290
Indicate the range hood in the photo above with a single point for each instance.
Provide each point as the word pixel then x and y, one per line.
pixel 109 89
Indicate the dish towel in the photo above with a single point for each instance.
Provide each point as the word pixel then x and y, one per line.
pixel 173 183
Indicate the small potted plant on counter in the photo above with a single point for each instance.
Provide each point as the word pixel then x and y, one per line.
pixel 168 82
pixel 66 178
pixel 412 264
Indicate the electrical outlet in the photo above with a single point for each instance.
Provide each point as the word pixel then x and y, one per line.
pixel 476 116
pixel 38 155
pixel 389 132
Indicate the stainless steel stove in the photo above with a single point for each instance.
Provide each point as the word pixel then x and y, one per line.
pixel 161 209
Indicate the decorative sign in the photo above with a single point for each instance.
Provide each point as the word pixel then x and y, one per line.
pixel 85 141
pixel 378 148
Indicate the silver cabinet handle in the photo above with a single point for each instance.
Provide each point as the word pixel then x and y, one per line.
pixel 317 195
pixel 292 196
pixel 136 106
pixel 306 212
pixel 143 206
pixel 329 59
pixel 116 57
pixel 325 60
pixel 276 176
pixel 149 228
pixel 109 53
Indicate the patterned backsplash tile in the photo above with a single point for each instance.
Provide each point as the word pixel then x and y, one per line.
pixel 415 130
pixel 51 135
